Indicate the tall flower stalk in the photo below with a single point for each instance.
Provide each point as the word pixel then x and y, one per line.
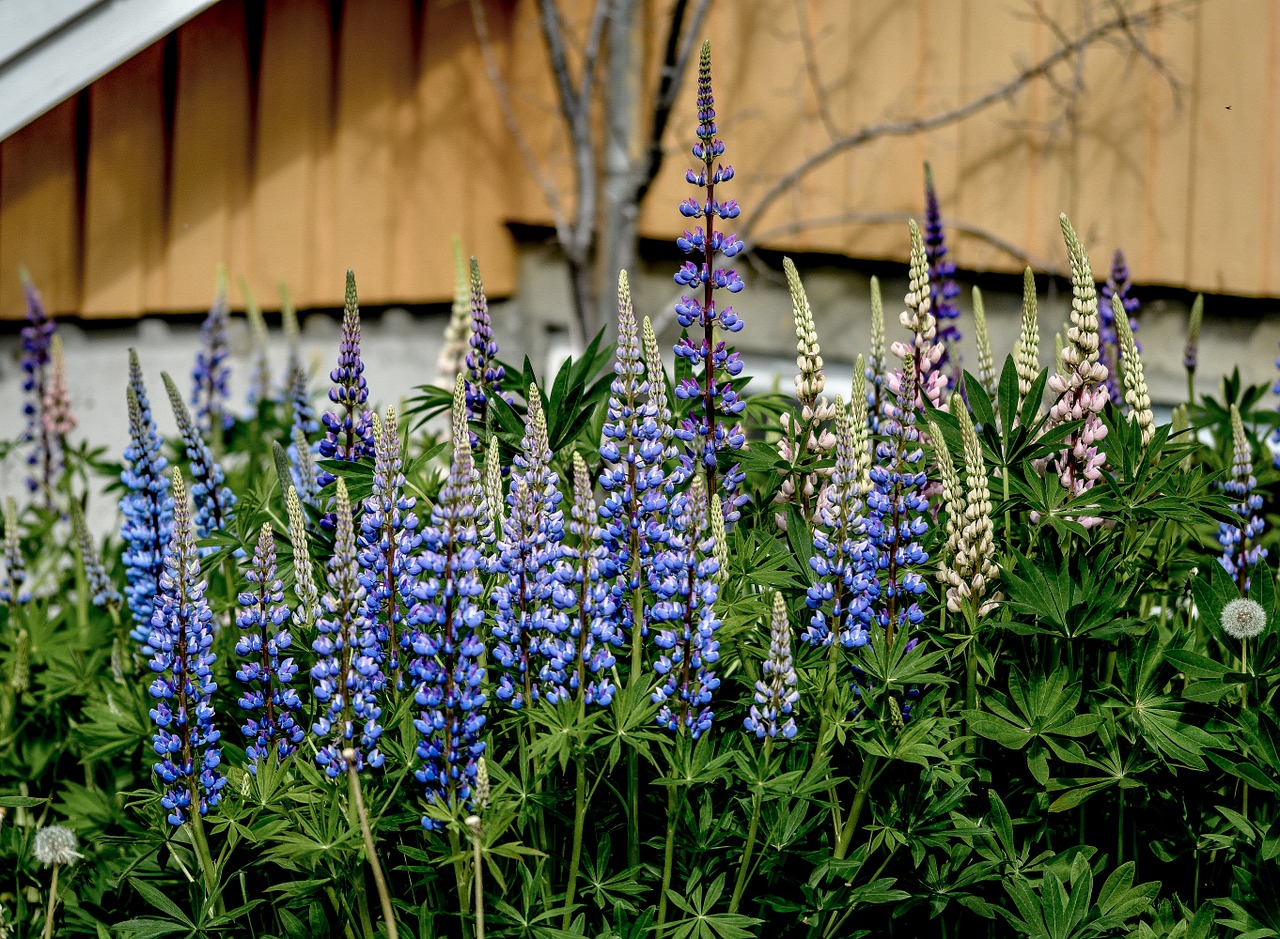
pixel 483 373
pixel 349 429
pixel 711 426
pixel 452 359
pixel 924 353
pixel 943 289
pixel 45 457
pixel 209 379
pixel 1118 286
pixel 1240 547
pixel 1026 354
pixel 214 500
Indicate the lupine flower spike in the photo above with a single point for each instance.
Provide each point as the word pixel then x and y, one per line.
pixel 634 443
pixel 58 418
pixel 1080 383
pixel 266 671
pixel 289 325
pixel 307 612
pixel 349 430
pixel 1191 354
pixel 897 509
pixel 495 503
pixel 303 472
pixel 347 675
pixel 447 665
pixel 386 544
pixel 986 361
pixel 1026 355
pixel 776 692
pixel 147 506
pixel 45 457
pixel 526 618
pixel 453 351
pixel 15 566
pixel 682 578
pixel 923 351
pixel 656 381
pixel 484 374
pixel 180 650
pixel 711 426
pixel 877 363
pixel 844 560
pixel 1111 351
pixel 1136 394
pixel 1240 547
pixel 974 569
pixel 588 645
pixel 209 378
pixel 815 409
pixel 953 497
pixel 259 342
pixel 101 586
pixel 213 499
pixel 943 289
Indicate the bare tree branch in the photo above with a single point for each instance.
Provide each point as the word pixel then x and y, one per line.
pixel 509 119
pixel 811 70
pixel 1002 92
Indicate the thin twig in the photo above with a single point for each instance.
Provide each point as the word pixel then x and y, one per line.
pixel 811 70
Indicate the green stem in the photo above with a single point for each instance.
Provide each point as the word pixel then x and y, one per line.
pixel 478 876
pixel 371 851
pixel 1119 828
pixel 575 856
pixel 460 879
pixel 757 802
pixel 53 903
pixel 855 810
pixel 668 859
pixel 633 759
pixel 337 910
pixel 207 869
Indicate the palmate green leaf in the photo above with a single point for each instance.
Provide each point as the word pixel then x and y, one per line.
pixel 979 401
pixel 700 922
pixel 153 896
pixel 1007 395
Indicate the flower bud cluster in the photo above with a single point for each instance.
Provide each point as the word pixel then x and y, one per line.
pixel 349 430
pixel 214 501
pixel 146 506
pixel 776 692
pixel 484 374
pixel 943 289
pixel 210 389
pixel 1240 547
pixel 1136 394
pixel 45 458
pixel 14 589
pixel 1117 287
pixel 924 352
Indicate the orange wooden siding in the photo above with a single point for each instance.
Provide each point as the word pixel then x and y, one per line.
pixel 369 140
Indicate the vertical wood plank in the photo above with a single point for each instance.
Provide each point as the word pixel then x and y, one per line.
pixel 124 187
pixel 211 137
pixel 294 135
pixel 39 214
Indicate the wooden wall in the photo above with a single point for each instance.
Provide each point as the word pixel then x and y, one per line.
pixel 290 143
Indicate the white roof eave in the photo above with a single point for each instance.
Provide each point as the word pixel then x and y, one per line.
pixel 51 49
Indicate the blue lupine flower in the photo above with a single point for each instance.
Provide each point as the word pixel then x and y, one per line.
pixel 14 589
pixel 776 692
pixel 347 673
pixel 585 652
pixel 266 674
pixel 636 435
pixel 349 431
pixel 213 499
pixel 1240 547
pixel 896 512
pixel 1118 285
pixel 103 588
pixel 147 507
pixel 444 628
pixel 530 599
pixel 682 578
pixel 211 393
pixel 844 557
pixel 305 426
pixel 388 539
pixel 943 289
pixel 711 425
pixel 181 654
pixel 483 373
pixel 45 457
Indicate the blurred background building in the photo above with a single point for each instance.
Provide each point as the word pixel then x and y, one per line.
pixel 146 142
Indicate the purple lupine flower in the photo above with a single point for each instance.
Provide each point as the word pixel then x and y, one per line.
pixel 214 500
pixel 348 431
pixel 180 646
pixel 1240 547
pixel 585 653
pixel 59 419
pixel 844 558
pixel 776 692
pixel 897 511
pixel 924 351
pixel 210 391
pixel 682 577
pixel 943 289
pixel 1118 285
pixel 265 671
pixel 447 665
pixel 14 588
pixel 712 424
pixel 45 457
pixel 347 673
pixel 387 541
pixel 483 373
pixel 1080 384
pixel 635 437
pixel 147 506
pixel 305 426
pixel 530 598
